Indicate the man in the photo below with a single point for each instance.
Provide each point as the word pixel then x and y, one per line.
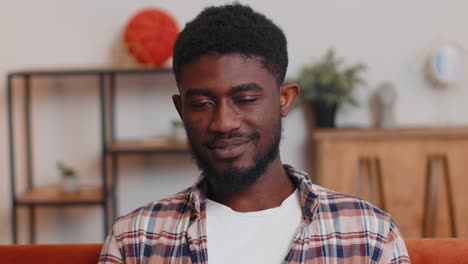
pixel 246 207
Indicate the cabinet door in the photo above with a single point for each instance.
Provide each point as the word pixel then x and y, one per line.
pixel 403 170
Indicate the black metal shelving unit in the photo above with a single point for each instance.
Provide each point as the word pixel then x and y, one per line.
pixel 111 148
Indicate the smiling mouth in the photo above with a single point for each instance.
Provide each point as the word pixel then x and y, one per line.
pixel 229 148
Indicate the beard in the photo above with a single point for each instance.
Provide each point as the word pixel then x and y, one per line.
pixel 235 178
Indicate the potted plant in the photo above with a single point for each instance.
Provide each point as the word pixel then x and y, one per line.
pixel 178 130
pixel 69 181
pixel 326 84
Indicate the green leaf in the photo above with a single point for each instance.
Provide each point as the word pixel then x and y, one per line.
pixel 326 80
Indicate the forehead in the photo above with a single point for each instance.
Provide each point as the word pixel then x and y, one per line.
pixel 220 72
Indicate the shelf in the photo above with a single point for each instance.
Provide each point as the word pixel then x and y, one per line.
pixel 108 79
pixel 89 71
pixel 367 134
pixel 152 145
pixel 53 195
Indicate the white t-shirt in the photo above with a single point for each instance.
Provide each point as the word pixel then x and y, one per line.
pixel 253 237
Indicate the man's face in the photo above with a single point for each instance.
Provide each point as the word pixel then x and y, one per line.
pixel 230 105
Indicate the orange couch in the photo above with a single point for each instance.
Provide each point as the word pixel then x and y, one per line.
pixel 438 250
pixel 427 251
pixel 50 254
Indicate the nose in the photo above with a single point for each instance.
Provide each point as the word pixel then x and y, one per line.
pixel 225 119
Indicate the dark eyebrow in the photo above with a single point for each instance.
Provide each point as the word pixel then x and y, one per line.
pixel 236 89
pixel 246 88
pixel 198 92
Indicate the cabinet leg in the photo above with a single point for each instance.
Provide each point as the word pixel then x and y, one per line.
pixel 449 192
pixel 427 188
pixel 434 166
pixel 369 169
pixel 379 184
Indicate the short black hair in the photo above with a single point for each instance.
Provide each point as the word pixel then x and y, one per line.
pixel 232 28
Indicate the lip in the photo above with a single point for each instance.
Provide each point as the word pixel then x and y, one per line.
pixel 229 148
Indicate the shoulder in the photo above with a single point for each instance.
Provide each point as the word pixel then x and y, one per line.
pixel 355 222
pixel 155 217
pixel 352 213
pixel 335 200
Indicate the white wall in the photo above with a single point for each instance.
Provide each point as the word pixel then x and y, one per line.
pixel 391 37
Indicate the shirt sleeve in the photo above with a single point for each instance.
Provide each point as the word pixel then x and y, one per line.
pixel 111 251
pixel 394 250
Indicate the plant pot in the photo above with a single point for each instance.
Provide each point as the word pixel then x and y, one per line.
pixel 70 184
pixel 324 114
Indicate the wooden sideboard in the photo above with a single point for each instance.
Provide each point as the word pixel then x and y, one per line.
pixel 413 178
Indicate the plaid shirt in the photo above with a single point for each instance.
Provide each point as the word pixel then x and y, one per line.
pixel 335 229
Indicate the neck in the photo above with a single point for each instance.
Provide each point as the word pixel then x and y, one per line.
pixel 269 191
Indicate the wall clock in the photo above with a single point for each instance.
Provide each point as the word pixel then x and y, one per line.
pixel 447 64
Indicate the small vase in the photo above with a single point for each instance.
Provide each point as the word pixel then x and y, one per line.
pixel 70 185
pixel 324 114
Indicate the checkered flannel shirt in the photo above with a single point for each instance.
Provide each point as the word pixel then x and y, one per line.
pixel 335 228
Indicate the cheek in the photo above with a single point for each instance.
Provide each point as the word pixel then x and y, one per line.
pixel 265 118
pixel 195 123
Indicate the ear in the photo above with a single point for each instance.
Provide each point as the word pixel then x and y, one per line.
pixel 288 95
pixel 178 104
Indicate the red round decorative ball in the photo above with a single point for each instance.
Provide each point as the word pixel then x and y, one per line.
pixel 150 36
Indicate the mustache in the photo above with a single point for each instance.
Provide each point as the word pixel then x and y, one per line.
pixel 233 135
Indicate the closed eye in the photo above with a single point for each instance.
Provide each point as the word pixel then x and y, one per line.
pixel 201 104
pixel 246 99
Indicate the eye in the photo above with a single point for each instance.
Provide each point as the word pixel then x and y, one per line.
pixel 201 104
pixel 246 99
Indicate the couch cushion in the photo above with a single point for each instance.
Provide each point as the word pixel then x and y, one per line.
pixel 427 251
pixel 53 254
pixel 438 250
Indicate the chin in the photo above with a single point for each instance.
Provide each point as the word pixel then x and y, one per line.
pixel 235 177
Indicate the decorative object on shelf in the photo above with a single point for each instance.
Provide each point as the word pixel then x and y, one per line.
pixel 150 36
pixel 104 198
pixel 325 85
pixel 446 65
pixel 178 131
pixel 69 181
pixel 385 97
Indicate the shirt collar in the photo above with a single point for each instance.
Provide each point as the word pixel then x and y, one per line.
pixel 309 201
